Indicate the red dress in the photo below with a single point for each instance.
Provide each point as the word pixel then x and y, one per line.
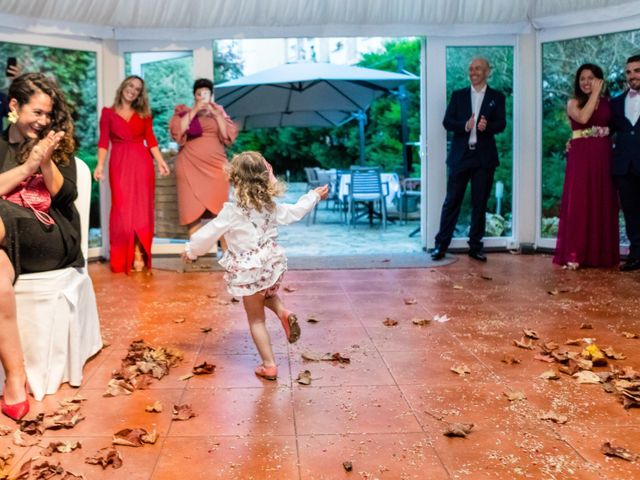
pixel 588 232
pixel 132 181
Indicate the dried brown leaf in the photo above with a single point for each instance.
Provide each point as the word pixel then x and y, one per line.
pixel 312 319
pixel 290 289
pixel 60 447
pixel 611 451
pixel 587 377
pixel 523 343
pixel 155 407
pixel 212 295
pixel 611 353
pixel 348 466
pixel 630 335
pixel 179 320
pixel 389 322
pixel 461 370
pixel 543 357
pixel 458 287
pixel 204 369
pixel 304 378
pixel 554 417
pixel 129 437
pixel 573 341
pixel 515 396
pixel 182 412
pixel 586 326
pixel 410 301
pixel 510 360
pixel 420 321
pixel 549 347
pixel 549 375
pixel 338 357
pixel 23 440
pixel 530 334
pixel 205 329
pixel 458 430
pixel 105 457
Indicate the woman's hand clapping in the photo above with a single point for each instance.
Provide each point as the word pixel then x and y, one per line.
pixel 40 155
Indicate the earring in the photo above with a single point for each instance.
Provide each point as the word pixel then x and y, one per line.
pixel 12 117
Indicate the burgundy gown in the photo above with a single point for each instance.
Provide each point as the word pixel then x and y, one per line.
pixel 588 233
pixel 132 181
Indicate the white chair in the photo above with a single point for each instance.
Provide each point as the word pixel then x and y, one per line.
pixel 57 314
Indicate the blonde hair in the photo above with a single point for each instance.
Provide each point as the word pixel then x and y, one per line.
pixel 253 183
pixel 141 104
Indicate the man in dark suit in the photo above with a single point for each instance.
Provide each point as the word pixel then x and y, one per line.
pixel 474 115
pixel 626 158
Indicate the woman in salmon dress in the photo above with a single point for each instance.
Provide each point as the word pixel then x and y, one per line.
pixel 127 125
pixel 202 131
pixel 588 234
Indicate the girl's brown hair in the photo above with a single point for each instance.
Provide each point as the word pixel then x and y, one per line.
pixel 22 89
pixel 141 104
pixel 253 182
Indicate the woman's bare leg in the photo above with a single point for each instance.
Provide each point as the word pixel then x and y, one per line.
pixel 10 348
pixel 254 306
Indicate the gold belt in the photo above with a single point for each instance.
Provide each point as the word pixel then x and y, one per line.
pixel 590 132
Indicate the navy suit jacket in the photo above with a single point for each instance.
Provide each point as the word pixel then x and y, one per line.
pixel 626 139
pixel 458 112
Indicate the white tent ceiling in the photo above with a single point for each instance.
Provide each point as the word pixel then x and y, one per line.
pixel 198 19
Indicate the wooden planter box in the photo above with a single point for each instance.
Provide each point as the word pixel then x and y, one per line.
pixel 166 212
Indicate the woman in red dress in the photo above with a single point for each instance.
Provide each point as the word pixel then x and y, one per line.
pixel 128 125
pixel 588 234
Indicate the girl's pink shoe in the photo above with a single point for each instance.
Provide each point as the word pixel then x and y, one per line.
pixel 290 325
pixel 268 373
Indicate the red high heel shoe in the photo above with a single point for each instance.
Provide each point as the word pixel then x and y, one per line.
pixel 17 410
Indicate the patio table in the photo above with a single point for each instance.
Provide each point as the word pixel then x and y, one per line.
pixel 390 186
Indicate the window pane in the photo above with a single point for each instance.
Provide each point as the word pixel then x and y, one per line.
pixel 499 208
pixel 560 60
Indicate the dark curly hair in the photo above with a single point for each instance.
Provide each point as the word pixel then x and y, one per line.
pixel 202 83
pixel 22 89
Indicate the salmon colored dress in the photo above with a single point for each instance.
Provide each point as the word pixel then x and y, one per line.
pixel 132 180
pixel 201 181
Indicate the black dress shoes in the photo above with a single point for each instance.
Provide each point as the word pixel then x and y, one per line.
pixel 630 264
pixel 438 253
pixel 478 255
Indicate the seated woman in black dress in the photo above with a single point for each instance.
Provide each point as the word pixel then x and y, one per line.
pixel 37 150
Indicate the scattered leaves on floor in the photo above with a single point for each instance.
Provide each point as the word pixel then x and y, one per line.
pixel 290 289
pixel 179 320
pixel 348 466
pixel 530 334
pixel 204 369
pixel 543 357
pixel 611 353
pixel 212 295
pixel 585 376
pixel 105 457
pixel 574 341
pixel 182 412
pixel 24 440
pixel 304 378
pixel 586 326
pixel 461 370
pixel 389 322
pixel 30 470
pixel 134 437
pixel 458 430
pixel 410 301
pixel 630 335
pixel 312 319
pixel 142 364
pixel 155 407
pixel 441 318
pixel 205 329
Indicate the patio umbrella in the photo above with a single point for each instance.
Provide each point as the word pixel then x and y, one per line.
pixel 307 95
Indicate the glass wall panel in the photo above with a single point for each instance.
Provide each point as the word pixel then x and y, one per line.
pixel 499 208
pixel 560 60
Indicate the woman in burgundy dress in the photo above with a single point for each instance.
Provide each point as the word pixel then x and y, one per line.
pixel 588 234
pixel 202 131
pixel 128 126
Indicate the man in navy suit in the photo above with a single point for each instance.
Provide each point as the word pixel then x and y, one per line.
pixel 626 158
pixel 474 115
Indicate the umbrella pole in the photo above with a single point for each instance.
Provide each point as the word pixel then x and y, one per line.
pixel 362 118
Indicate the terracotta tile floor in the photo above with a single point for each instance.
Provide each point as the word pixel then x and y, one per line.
pixel 386 410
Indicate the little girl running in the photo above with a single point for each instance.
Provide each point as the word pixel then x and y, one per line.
pixel 254 262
